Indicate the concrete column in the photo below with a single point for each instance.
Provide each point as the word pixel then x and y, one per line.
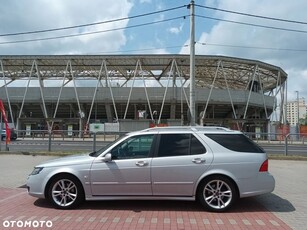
pixel 173 110
pixel 109 112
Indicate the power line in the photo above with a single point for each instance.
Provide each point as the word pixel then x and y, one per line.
pixel 94 32
pixel 137 50
pixel 92 24
pixel 253 15
pixel 252 24
pixel 207 44
pixel 251 47
pixel 161 21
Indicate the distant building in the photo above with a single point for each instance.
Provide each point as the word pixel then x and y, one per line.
pixel 295 110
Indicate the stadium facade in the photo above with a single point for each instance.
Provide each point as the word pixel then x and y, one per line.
pixel 138 91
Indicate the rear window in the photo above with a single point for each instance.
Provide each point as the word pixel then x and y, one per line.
pixel 236 142
pixel 179 145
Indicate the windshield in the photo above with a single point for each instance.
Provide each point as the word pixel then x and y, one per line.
pixel 98 152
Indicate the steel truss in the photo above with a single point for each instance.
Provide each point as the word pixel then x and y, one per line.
pixel 141 71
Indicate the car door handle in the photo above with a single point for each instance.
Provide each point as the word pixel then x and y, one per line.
pixel 198 160
pixel 141 163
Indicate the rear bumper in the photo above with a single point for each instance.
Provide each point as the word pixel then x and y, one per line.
pixel 264 183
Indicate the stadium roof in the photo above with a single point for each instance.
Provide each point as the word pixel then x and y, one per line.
pixel 208 69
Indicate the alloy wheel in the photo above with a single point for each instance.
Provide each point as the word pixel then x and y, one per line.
pixel 64 192
pixel 217 194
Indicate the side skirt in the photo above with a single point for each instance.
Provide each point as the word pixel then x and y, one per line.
pixel 189 198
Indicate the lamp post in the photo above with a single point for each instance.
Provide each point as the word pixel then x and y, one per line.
pixel 298 111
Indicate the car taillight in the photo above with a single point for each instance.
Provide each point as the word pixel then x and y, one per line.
pixel 265 166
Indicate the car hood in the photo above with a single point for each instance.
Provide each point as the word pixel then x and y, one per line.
pixel 68 160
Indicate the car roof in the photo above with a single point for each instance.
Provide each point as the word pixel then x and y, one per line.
pixel 197 129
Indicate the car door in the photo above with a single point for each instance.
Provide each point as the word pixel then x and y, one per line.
pixel 179 162
pixel 128 173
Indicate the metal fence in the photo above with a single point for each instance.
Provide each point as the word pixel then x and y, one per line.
pixel 291 138
pixel 288 139
pixel 67 135
pixel 94 137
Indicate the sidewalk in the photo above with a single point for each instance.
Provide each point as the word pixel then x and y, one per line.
pixel 288 200
pixel 285 208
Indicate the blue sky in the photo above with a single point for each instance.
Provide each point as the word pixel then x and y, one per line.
pixel 282 48
pixel 160 35
pixel 170 36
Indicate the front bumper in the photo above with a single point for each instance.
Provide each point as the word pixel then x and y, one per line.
pixel 35 187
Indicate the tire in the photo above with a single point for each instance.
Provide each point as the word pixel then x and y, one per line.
pixel 217 193
pixel 65 192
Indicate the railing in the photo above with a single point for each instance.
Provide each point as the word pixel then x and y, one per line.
pixel 67 135
pixel 64 135
pixel 74 135
pixel 292 138
pixel 286 139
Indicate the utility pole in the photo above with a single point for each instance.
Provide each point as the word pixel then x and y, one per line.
pixel 192 63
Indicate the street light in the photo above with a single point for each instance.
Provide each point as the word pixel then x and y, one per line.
pixel 298 110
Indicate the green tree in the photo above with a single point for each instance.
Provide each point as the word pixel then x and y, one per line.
pixel 303 121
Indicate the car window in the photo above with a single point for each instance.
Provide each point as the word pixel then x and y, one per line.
pixel 236 142
pixel 179 145
pixel 97 153
pixel 133 147
pixel 196 146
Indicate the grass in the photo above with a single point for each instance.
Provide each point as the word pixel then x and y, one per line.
pixel 284 157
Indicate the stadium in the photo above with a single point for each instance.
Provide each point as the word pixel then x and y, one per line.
pixel 138 91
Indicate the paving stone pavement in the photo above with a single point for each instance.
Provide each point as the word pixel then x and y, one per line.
pixel 16 207
pixel 282 209
pixel 288 200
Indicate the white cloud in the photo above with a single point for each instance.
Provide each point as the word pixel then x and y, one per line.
pixel 176 30
pixel 159 18
pixel 147 48
pixel 34 15
pixel 224 33
pixel 297 81
pixel 29 15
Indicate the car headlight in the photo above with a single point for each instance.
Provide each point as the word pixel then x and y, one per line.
pixel 36 170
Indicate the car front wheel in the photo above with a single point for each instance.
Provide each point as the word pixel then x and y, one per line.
pixel 65 192
pixel 217 193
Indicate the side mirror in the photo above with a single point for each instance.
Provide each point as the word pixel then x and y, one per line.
pixel 107 157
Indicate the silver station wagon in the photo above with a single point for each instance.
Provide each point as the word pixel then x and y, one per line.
pixel 212 165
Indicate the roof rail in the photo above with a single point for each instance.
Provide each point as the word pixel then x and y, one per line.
pixel 210 128
pixel 194 128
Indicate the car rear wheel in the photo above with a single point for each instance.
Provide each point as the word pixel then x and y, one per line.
pixel 217 193
pixel 65 192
